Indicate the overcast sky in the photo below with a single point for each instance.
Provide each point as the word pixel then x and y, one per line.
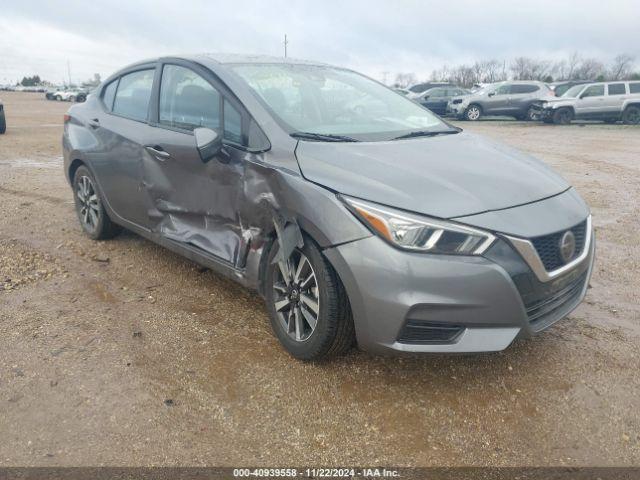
pixel 373 36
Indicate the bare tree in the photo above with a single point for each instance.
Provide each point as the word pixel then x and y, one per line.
pixel 621 67
pixel 404 80
pixel 589 69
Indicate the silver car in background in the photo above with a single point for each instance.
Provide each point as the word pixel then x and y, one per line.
pixel 607 101
pixel 514 99
pixel 358 215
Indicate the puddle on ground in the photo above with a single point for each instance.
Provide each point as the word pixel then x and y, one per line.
pixel 53 163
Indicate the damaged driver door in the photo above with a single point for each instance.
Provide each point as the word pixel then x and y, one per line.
pixel 191 200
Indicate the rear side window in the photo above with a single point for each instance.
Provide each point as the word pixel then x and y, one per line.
pixel 593 91
pixel 524 88
pixel 109 93
pixel 634 87
pixel 187 100
pixel 616 89
pixel 132 97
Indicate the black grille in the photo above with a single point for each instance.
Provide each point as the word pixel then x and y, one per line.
pixel 420 332
pixel 544 309
pixel 548 246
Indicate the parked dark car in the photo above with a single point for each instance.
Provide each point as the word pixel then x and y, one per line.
pixel 397 231
pixel 3 120
pixel 419 88
pixel 437 98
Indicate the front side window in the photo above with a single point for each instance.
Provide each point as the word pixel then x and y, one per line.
pixel 593 91
pixel 617 89
pixel 132 97
pixel 109 93
pixel 436 93
pixel 332 101
pixel 504 89
pixel 187 100
pixel 573 92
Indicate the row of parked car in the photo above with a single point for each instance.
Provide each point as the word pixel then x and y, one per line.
pixel 67 95
pixel 531 100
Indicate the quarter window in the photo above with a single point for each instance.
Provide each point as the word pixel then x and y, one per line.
pixel 634 87
pixel 593 91
pixel 109 93
pixel 132 97
pixel 187 100
pixel 617 89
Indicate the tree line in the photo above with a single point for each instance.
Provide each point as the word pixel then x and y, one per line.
pixel 574 67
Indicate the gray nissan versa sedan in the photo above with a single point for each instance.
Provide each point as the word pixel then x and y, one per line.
pixel 359 215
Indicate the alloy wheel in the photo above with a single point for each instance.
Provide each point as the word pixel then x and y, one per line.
pixel 633 116
pixel 88 203
pixel 296 296
pixel 473 113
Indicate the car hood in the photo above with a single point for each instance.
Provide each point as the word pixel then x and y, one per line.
pixel 445 176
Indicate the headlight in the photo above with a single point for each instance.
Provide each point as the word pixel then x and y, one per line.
pixel 418 233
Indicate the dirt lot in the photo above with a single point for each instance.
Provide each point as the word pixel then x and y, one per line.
pixel 121 353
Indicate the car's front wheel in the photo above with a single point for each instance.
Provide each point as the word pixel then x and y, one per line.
pixel 3 122
pixel 563 116
pixel 93 218
pixel 473 113
pixel 631 115
pixel 532 115
pixel 308 304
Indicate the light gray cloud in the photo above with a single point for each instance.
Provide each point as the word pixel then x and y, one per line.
pixel 41 36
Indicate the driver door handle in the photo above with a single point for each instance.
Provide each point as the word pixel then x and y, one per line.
pixel 158 152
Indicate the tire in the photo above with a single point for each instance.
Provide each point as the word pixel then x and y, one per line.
pixel 563 116
pixel 81 98
pixel 531 115
pixel 631 115
pixel 473 112
pixel 72 99
pixel 290 305
pixel 88 202
pixel 3 121
pixel 58 98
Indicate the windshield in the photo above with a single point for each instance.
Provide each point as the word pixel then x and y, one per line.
pixel 331 101
pixel 573 91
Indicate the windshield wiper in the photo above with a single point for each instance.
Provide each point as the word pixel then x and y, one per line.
pixel 426 133
pixel 322 137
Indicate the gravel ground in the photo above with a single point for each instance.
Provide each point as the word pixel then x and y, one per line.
pixel 122 353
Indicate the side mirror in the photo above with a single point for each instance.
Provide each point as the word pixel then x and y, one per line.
pixel 208 143
pixel 426 97
pixel 491 94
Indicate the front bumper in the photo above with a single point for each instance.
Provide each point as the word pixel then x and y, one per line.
pixel 455 109
pixel 492 299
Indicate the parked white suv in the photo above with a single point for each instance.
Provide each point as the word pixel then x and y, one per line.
pixel 610 101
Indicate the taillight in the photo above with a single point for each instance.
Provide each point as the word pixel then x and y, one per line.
pixel 66 117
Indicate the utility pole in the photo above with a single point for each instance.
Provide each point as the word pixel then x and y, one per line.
pixel 286 42
pixel 69 71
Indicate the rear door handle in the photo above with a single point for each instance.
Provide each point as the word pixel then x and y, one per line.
pixel 158 152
